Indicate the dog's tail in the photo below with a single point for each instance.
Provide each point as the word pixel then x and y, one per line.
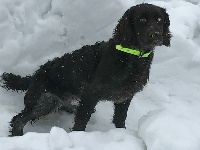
pixel 13 82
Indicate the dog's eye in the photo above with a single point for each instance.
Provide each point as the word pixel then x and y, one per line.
pixel 142 20
pixel 159 20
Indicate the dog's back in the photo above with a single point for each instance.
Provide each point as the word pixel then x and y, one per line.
pixel 59 73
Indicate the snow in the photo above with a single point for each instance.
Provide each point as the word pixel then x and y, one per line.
pixel 164 116
pixel 59 139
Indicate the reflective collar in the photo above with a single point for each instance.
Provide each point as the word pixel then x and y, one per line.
pixel 135 52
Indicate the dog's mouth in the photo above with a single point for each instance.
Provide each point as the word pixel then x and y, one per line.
pixel 150 46
pixel 156 43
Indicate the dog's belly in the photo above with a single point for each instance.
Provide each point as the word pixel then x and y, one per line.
pixel 69 103
pixel 118 96
pixel 119 93
pixel 116 93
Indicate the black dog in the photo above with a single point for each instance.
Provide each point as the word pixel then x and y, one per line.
pixel 114 70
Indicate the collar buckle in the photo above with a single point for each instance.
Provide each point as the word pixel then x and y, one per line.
pixel 141 54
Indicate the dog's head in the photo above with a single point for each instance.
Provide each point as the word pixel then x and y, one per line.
pixel 143 26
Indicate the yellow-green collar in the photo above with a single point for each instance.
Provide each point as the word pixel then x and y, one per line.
pixel 135 52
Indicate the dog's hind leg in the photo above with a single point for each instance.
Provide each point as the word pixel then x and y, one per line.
pixel 46 104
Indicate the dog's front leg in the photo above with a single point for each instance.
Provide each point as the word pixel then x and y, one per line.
pixel 84 111
pixel 120 113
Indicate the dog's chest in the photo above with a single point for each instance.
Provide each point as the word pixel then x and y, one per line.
pixel 125 81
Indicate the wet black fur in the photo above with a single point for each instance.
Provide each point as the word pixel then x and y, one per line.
pixel 94 72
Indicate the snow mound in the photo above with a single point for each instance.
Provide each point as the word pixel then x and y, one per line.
pixel 59 139
pixel 163 130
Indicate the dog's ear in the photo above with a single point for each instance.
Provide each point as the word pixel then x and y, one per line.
pixel 124 31
pixel 166 32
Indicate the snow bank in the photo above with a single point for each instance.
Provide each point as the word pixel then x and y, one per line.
pixel 58 139
pixel 34 31
pixel 163 130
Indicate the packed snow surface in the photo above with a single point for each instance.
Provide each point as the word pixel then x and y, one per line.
pixel 164 116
